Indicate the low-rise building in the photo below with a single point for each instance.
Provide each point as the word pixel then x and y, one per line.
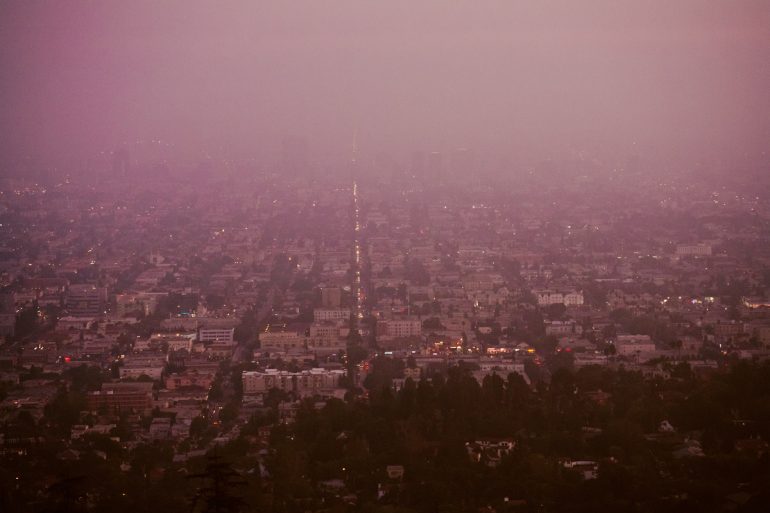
pixel 331 314
pixel 280 339
pixel 121 396
pixel 635 346
pixel 399 327
pixel 546 297
pixel 303 383
pixel 190 378
pixel 207 335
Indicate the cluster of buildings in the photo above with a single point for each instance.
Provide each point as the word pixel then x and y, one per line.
pixel 510 277
pixel 187 304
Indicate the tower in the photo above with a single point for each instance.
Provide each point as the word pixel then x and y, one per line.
pixel 120 163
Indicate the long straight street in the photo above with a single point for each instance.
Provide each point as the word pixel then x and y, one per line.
pixel 358 293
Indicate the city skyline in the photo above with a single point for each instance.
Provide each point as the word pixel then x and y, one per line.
pixel 425 256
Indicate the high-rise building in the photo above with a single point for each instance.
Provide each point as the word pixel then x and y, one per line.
pixel 120 163
pixel 435 166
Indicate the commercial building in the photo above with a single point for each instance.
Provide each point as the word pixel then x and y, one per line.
pixel 399 328
pixel 546 297
pixel 280 339
pixel 637 346
pixel 190 378
pixel 331 314
pixel 121 396
pixel 216 334
pixel 303 383
pixel 86 300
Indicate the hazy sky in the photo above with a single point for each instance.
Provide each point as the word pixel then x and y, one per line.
pixel 497 76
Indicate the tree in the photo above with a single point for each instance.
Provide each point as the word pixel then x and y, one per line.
pixel 64 410
pixel 85 378
pixel 560 360
pixel 67 495
pixel 546 345
pixel 198 426
pixel 229 412
pixel 216 393
pixel 416 273
pixel 220 487
pixel 432 323
pixel 356 354
pixel 384 370
pixel 26 322
pixel 556 311
pixel 214 301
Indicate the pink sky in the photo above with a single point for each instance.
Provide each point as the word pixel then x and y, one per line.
pixel 498 76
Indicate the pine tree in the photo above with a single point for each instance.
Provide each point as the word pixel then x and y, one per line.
pixel 218 492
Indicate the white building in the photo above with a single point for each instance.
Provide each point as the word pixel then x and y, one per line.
pixel 327 330
pixel 331 314
pixel 281 340
pixel 173 341
pixel 399 328
pixel 304 383
pixel 325 345
pixel 640 346
pixel 562 328
pixel 136 369
pixel 327 336
pixel 216 334
pixel 547 297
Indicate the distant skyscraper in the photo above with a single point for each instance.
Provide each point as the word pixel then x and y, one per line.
pixel 120 162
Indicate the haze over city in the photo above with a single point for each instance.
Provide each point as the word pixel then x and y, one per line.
pixel 514 79
pixel 385 257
